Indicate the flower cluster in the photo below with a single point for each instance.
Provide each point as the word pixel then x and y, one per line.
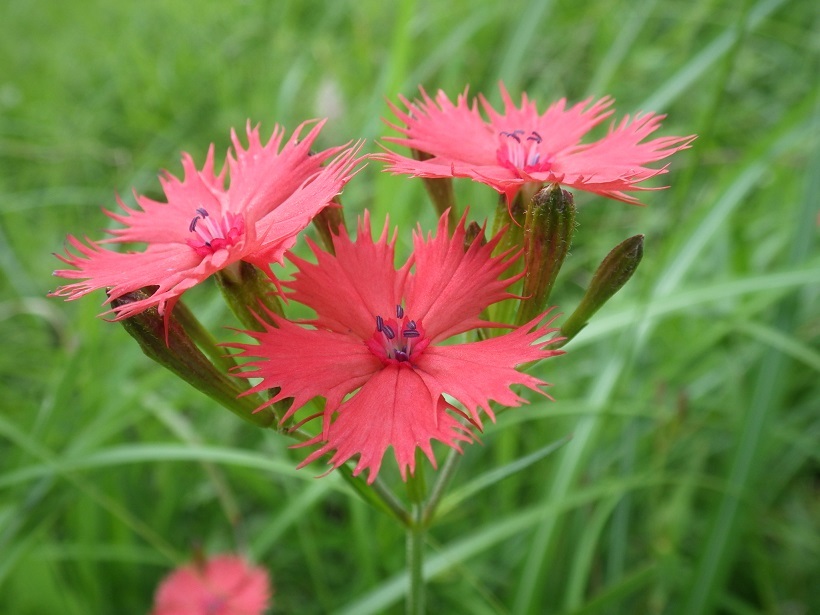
pixel 402 356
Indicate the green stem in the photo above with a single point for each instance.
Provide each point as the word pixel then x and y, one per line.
pixel 377 495
pixel 415 562
pixel 445 475
pixel 203 338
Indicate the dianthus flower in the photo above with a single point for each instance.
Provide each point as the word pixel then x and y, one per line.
pixel 521 146
pixel 222 585
pixel 204 227
pixel 375 351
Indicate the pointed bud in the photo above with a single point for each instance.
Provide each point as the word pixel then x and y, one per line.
pixel 440 191
pixel 613 272
pixel 548 231
pixel 244 287
pixel 474 232
pixel 329 222
pixel 181 356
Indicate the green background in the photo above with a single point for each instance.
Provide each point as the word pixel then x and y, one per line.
pixel 693 399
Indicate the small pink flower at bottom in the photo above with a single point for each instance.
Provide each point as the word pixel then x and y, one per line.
pixel 375 352
pixel 522 146
pixel 222 585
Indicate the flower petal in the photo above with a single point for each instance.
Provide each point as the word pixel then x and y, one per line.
pixel 157 222
pixel 447 131
pixel 394 408
pixel 478 372
pixel 172 268
pixel 451 285
pixel 306 363
pixel 276 232
pixel 262 177
pixel 350 289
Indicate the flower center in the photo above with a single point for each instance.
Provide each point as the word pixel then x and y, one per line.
pixel 211 235
pixel 399 339
pixel 521 151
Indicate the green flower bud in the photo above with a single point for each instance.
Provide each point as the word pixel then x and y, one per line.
pixel 548 230
pixel 611 275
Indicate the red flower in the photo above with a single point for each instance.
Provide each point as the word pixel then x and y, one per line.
pixel 522 146
pixel 205 227
pixel 377 336
pixel 223 585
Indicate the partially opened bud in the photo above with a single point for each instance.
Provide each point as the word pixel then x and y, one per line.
pixel 173 348
pixel 329 222
pixel 474 232
pixel 611 275
pixel 548 231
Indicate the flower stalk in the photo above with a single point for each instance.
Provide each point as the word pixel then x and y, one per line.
pixel 416 534
pixel 440 191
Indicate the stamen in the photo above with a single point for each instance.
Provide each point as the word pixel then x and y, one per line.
pixel 520 156
pixel 410 333
pixel 212 234
pixel 411 325
pixel 379 324
pixel 514 134
pixel 388 331
pixel 399 311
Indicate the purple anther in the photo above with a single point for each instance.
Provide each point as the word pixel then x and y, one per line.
pixel 399 311
pixel 401 355
pixel 379 324
pixel 192 225
pixel 388 332
pixel 410 333
pixel 202 212
pixel 514 134
pixel 534 136
pixel 411 325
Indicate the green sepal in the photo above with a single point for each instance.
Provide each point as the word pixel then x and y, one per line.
pixel 245 287
pixel 166 342
pixel 548 230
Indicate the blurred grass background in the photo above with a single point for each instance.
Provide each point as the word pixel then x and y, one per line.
pixel 691 482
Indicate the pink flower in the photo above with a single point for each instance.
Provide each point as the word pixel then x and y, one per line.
pixel 375 351
pixel 522 146
pixel 205 227
pixel 223 585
